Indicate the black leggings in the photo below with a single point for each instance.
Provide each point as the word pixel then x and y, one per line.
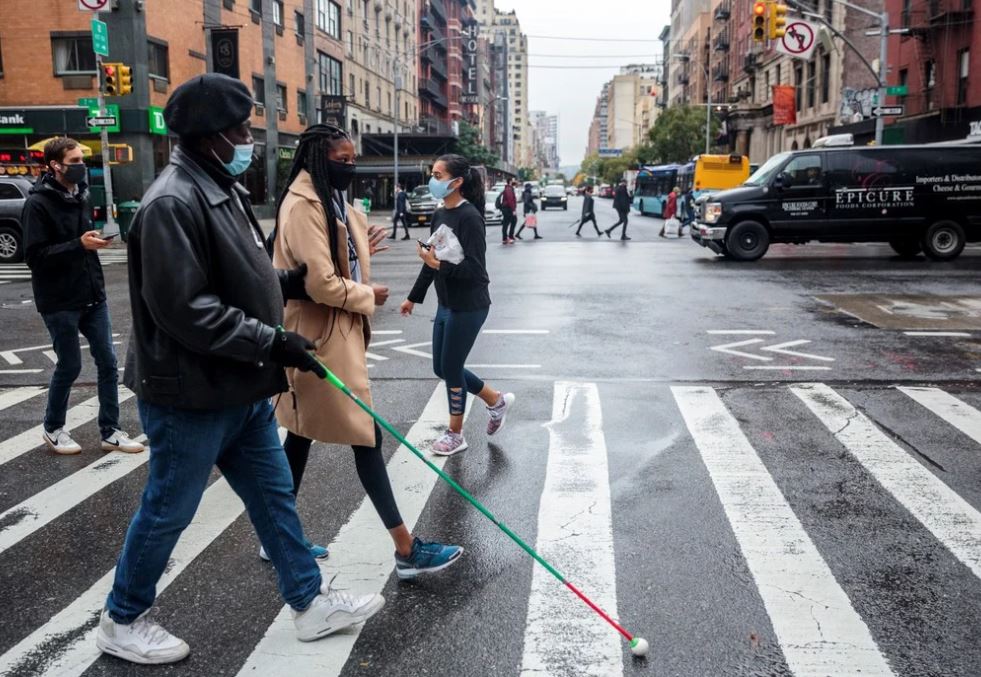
pixel 371 471
pixel 587 219
pixel 623 221
pixel 404 218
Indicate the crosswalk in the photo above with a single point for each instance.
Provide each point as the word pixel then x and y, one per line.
pixel 844 520
pixel 19 272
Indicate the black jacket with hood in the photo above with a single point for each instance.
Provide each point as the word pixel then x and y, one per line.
pixel 66 276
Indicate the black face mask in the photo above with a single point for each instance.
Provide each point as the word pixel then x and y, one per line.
pixel 340 174
pixel 74 173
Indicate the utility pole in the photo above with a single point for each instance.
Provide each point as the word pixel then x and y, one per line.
pixel 880 121
pixel 397 78
pixel 708 99
pixel 111 226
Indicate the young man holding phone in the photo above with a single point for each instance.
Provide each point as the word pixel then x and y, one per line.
pixel 70 293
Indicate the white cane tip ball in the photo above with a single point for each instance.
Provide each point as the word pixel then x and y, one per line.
pixel 639 646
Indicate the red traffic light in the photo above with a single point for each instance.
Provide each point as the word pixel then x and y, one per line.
pixel 759 8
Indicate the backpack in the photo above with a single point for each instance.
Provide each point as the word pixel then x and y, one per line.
pixel 499 202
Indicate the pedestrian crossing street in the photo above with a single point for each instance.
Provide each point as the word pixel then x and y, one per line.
pixel 19 272
pixel 805 529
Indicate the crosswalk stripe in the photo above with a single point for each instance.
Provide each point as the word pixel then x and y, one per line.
pixel 939 508
pixel 818 630
pixel 361 555
pixel 73 629
pixel 957 413
pixel 575 534
pixel 77 415
pixel 15 396
pixel 30 515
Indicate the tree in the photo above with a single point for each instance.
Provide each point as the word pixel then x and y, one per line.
pixel 469 146
pixel 679 133
pixel 526 174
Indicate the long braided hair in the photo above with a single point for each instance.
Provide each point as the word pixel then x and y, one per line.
pixel 311 155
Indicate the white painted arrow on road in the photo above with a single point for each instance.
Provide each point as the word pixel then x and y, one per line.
pixel 778 348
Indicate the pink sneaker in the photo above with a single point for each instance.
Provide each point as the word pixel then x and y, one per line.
pixel 450 443
pixel 499 413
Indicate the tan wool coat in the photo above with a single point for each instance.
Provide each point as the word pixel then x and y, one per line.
pixel 336 320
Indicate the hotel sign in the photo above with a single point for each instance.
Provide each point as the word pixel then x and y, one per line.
pixel 471 73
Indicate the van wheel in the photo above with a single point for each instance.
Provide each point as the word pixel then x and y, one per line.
pixel 907 248
pixel 11 245
pixel 944 241
pixel 747 241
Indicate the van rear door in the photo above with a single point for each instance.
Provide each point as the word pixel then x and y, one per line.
pixel 799 196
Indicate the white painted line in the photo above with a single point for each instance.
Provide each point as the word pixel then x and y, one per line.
pixel 942 511
pixel 41 508
pixel 76 625
pixel 53 356
pixel 962 334
pixel 746 332
pixel 379 344
pixel 781 348
pixel 361 555
pixel 956 412
pixel 373 356
pixel 516 331
pixel 788 367
pixel 31 439
pixel 14 397
pixel 504 366
pixel 411 349
pixel 21 371
pixel 818 630
pixel 728 349
pixel 386 332
pixel 575 534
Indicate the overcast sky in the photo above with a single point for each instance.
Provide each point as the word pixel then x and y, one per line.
pixel 572 92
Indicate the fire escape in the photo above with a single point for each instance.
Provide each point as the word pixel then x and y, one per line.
pixel 932 24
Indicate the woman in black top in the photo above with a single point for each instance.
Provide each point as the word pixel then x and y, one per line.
pixel 463 299
pixel 528 207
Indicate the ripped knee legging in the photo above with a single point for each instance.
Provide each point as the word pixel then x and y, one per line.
pixel 454 333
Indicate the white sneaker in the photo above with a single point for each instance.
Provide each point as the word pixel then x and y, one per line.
pixel 120 441
pixel 142 641
pixel 60 442
pixel 331 611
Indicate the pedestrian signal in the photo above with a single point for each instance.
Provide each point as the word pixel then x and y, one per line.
pixel 110 79
pixel 777 13
pixel 759 21
pixel 126 79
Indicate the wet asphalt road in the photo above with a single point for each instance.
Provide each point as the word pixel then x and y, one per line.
pixel 826 556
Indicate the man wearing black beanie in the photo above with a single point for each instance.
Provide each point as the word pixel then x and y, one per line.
pixel 206 354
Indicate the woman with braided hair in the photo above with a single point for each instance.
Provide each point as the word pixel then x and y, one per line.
pixel 317 228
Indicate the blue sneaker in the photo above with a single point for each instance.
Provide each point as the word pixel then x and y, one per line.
pixel 318 551
pixel 426 558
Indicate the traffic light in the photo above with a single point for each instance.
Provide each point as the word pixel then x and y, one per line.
pixel 110 79
pixel 759 21
pixel 777 20
pixel 126 76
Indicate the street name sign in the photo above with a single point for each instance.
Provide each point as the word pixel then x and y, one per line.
pixel 886 111
pixel 101 121
pixel 897 90
pixel 100 37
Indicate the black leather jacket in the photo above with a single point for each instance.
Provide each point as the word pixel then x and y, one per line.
pixel 204 295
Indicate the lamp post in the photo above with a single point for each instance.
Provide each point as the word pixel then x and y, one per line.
pixel 708 99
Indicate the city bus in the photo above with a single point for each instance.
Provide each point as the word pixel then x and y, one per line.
pixel 708 174
pixel 652 188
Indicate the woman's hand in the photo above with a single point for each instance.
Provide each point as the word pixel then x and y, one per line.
pixel 428 256
pixel 406 308
pixel 381 294
pixel 376 235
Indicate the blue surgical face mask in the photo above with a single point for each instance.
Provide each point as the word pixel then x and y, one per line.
pixel 440 189
pixel 240 160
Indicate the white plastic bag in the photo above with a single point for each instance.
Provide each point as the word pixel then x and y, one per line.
pixel 672 227
pixel 447 247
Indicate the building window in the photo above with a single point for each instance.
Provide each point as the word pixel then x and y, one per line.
pixel 281 101
pixel 159 65
pixel 390 109
pixel 73 55
pixel 964 61
pixel 1 59
pixel 256 6
pixel 811 83
pixel 350 43
pixel 907 9
pixel 378 97
pixel 259 90
pixel 329 18
pixel 929 80
pixel 350 84
pixel 798 86
pixel 301 24
pixel 301 103
pixel 903 81
pixel 331 81
pixel 278 12
pixel 825 78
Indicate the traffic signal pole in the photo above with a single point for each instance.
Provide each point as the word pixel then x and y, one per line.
pixel 111 226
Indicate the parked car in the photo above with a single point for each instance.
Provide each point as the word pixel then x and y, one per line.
pixel 13 194
pixel 555 197
pixel 492 215
pixel 571 190
pixel 916 198
pixel 606 190
pixel 421 206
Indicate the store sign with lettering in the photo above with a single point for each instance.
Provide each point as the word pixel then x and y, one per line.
pixel 471 73
pixel 874 198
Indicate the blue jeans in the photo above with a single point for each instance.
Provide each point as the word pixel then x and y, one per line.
pixel 64 327
pixel 184 446
pixel 454 333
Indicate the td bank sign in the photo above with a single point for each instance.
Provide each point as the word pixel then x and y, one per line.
pixel 11 119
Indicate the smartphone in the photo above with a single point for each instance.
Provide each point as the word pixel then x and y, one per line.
pixel 107 236
pixel 424 245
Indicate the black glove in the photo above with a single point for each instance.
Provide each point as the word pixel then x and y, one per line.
pixel 291 283
pixel 292 350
